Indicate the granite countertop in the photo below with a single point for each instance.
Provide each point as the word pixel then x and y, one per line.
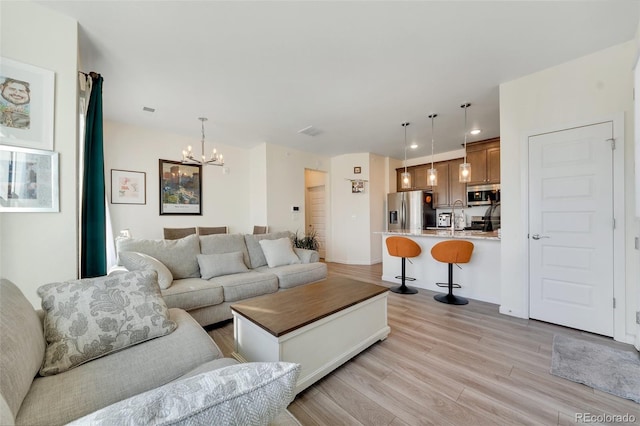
pixel 446 233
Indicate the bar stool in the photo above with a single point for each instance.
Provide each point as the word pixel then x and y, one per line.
pixel 405 248
pixel 451 251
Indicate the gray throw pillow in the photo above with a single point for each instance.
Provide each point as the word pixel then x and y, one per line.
pixel 279 252
pixel 89 318
pixel 224 243
pixel 256 255
pixel 215 265
pixel 179 256
pixel 139 261
pixel 242 394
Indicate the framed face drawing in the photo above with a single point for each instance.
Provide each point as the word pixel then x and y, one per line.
pixel 26 105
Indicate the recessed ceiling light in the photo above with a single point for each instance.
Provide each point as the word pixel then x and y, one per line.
pixel 413 145
pixel 475 131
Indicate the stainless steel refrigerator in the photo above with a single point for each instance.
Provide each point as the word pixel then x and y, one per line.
pixel 411 210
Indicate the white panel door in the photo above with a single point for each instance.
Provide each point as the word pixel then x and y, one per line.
pixel 571 228
pixel 318 215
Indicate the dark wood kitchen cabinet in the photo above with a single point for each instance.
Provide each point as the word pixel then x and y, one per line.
pixel 484 157
pixel 449 188
pixel 418 177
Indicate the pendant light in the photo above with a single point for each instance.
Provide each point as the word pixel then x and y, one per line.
pixel 432 176
pixel 188 158
pixel 406 177
pixel 464 173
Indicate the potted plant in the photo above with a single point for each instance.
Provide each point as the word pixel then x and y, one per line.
pixel 309 241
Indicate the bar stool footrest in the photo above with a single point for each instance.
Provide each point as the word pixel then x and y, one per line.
pixel 399 277
pixel 447 285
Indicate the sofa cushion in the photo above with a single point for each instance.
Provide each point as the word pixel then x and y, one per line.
pixel 56 400
pixel 294 275
pixel 224 243
pixel 193 293
pixel 139 261
pixel 307 256
pixel 89 318
pixel 256 255
pixel 279 252
pixel 179 256
pixel 214 265
pixel 243 286
pixel 242 394
pixel 22 346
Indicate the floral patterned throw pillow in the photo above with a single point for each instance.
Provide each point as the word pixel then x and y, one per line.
pixel 89 318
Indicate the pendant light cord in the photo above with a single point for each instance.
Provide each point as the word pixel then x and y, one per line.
pixel 465 131
pixel 432 138
pixel 405 124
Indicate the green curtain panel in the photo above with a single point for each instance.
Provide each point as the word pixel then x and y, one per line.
pixel 94 252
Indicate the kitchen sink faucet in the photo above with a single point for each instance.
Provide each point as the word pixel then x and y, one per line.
pixel 453 214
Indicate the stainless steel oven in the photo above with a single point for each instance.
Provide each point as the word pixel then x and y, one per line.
pixel 481 195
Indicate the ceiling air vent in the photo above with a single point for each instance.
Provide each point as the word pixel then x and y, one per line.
pixel 310 131
pixel 148 109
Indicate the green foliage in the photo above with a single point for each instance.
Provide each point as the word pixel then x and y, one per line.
pixel 309 241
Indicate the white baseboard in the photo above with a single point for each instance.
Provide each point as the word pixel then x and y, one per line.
pixel 513 312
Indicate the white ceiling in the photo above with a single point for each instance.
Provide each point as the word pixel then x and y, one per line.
pixel 261 71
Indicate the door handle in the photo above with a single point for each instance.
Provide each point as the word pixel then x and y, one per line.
pixel 538 236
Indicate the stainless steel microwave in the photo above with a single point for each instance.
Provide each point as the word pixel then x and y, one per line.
pixel 481 195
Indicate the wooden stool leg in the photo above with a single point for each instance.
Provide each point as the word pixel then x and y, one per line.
pixel 403 288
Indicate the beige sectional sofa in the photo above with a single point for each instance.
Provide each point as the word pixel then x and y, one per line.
pixel 177 378
pixel 207 274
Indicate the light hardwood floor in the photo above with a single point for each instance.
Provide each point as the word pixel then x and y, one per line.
pixel 448 365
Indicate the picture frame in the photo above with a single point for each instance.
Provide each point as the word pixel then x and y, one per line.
pixel 357 186
pixel 180 188
pixel 357 170
pixel 128 187
pixel 26 105
pixel 29 180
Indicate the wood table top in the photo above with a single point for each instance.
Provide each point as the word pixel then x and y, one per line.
pixel 282 312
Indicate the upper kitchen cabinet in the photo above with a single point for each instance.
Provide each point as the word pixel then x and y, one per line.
pixel 418 177
pixel 484 157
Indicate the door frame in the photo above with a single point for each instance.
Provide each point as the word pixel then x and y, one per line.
pixel 619 282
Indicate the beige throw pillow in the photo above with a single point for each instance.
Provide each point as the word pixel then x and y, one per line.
pixel 139 261
pixel 279 252
pixel 89 318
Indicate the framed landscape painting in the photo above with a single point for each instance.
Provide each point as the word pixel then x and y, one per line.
pixel 26 105
pixel 180 188
pixel 128 187
pixel 28 180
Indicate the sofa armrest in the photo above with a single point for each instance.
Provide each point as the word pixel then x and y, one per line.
pixel 242 394
pixel 307 256
pixel 115 270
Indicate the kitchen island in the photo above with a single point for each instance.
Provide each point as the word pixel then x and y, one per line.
pixel 480 278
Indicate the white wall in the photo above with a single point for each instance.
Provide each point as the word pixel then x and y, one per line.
pixel 351 213
pixel 38 248
pixel 377 205
pixel 258 186
pixel 226 198
pixel 589 88
pixel 286 186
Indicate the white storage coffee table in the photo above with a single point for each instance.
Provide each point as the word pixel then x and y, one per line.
pixel 319 325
